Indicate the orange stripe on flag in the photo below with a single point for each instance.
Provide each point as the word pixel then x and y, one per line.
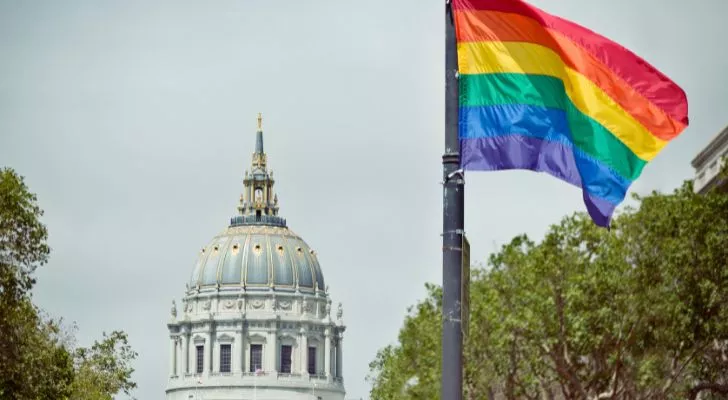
pixel 493 26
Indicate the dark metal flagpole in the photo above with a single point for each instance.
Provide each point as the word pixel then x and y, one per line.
pixel 453 223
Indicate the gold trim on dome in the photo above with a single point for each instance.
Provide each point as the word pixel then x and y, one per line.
pixel 294 268
pixel 271 272
pixel 221 260
pixel 244 272
pixel 282 257
pixel 312 264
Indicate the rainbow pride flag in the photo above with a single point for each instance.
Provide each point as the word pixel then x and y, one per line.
pixel 541 93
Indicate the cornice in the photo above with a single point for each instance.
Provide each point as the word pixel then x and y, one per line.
pixel 711 149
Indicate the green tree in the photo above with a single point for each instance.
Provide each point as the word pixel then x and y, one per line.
pixel 104 369
pixel 23 238
pixel 37 361
pixel 34 364
pixel 411 370
pixel 640 311
pixel 680 243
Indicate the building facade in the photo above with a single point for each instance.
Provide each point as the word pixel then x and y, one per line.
pixel 708 163
pixel 255 321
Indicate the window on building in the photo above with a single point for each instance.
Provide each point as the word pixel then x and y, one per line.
pixel 286 359
pixel 312 360
pixel 225 358
pixel 200 358
pixel 256 357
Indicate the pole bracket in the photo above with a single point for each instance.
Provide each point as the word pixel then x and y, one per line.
pixel 460 173
pixel 451 158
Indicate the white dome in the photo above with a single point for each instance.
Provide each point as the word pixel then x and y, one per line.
pixel 255 320
pixel 255 256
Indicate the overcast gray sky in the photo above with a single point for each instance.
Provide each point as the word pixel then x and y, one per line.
pixel 134 120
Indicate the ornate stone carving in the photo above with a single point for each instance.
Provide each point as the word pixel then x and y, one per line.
pixel 174 309
pixel 229 304
pixel 307 306
pixel 284 304
pixel 189 307
pixel 327 313
pixel 206 305
pixel 339 312
pixel 240 304
pixel 257 304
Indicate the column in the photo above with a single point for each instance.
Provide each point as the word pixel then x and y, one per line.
pixel 272 351
pixel 210 349
pixel 239 351
pixel 215 357
pixel 185 367
pixel 172 356
pixel 339 358
pixel 304 352
pixel 327 353
pixel 206 356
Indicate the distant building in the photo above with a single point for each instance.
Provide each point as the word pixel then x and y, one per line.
pixel 256 319
pixel 708 162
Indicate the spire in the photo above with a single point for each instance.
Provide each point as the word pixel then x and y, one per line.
pixel 259 202
pixel 259 135
pixel 259 157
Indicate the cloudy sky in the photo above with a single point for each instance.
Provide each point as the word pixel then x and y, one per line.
pixel 133 121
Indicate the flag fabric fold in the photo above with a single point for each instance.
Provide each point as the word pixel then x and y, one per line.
pixel 541 93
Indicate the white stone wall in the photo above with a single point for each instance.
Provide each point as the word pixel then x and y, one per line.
pixel 707 171
pixel 272 319
pixel 257 393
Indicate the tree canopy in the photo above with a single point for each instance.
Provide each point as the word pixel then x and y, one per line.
pixel 37 359
pixel 639 311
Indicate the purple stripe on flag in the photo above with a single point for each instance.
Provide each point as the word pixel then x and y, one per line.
pixel 601 194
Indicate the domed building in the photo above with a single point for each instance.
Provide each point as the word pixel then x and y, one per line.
pixel 255 321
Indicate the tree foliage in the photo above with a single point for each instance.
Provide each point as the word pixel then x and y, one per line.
pixel 411 370
pixel 37 359
pixel 637 312
pixel 23 237
pixel 105 368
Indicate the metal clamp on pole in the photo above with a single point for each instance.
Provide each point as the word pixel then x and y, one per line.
pixel 460 173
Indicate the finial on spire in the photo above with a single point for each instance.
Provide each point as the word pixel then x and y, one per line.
pixel 260 122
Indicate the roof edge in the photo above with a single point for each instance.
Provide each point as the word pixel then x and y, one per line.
pixel 716 143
